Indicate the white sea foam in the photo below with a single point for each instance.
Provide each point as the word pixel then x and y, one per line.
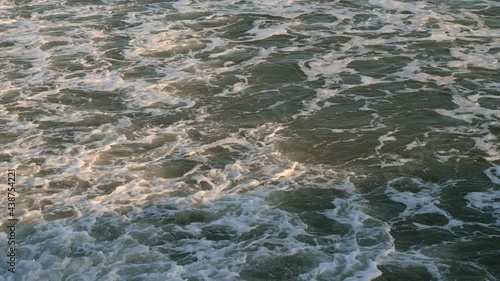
pixel 115 132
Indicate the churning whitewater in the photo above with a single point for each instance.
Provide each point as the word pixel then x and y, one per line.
pixel 251 140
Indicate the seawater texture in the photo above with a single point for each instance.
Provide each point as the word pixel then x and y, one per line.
pixel 252 140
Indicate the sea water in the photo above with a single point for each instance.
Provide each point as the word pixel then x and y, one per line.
pixel 251 140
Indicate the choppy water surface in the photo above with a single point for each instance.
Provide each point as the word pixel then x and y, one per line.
pixel 252 140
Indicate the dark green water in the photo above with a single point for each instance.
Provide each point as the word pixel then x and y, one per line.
pixel 252 140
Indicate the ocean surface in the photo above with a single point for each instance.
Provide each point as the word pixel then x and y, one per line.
pixel 251 140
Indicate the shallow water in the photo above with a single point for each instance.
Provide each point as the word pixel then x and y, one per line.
pixel 252 140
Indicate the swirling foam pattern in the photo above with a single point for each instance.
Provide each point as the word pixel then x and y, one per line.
pixel 252 140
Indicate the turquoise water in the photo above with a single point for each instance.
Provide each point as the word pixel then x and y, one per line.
pixel 252 140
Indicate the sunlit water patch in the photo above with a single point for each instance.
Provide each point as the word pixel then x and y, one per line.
pixel 252 140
